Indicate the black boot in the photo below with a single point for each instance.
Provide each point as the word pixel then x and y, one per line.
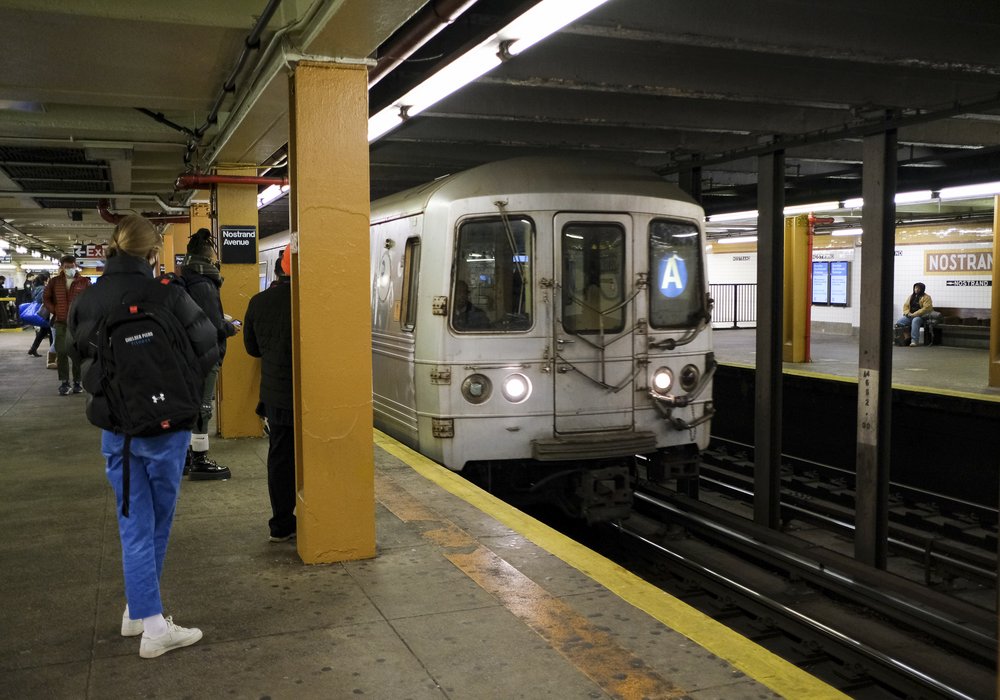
pixel 188 459
pixel 205 469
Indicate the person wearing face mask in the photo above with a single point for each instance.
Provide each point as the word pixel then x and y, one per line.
pixel 155 463
pixel 59 294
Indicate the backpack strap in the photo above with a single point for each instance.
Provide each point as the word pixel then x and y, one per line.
pixel 125 475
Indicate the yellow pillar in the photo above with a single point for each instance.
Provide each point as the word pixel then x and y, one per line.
pixel 995 296
pixel 796 291
pixel 331 316
pixel 239 380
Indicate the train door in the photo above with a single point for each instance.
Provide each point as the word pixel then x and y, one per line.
pixel 593 321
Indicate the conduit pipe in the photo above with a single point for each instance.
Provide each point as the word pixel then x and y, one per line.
pixel 432 19
pixel 103 195
pixel 155 217
pixel 193 182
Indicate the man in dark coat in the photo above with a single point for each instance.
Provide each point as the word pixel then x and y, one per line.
pixel 202 279
pixel 267 334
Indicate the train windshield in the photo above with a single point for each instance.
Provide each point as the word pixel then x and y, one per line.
pixel 492 289
pixel 593 276
pixel 676 288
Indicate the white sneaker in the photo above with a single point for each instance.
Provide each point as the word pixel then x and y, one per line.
pixel 913 345
pixel 130 627
pixel 174 638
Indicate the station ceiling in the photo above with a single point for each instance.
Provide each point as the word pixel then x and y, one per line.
pixel 659 83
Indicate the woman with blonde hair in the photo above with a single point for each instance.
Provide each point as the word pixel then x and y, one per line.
pixel 144 472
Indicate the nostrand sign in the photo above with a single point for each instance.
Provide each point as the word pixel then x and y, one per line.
pixel 958 262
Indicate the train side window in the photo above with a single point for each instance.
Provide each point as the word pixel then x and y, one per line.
pixel 593 278
pixel 493 275
pixel 676 289
pixel 411 263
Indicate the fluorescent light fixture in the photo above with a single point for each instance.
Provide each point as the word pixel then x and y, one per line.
pixel 733 216
pixel 807 208
pixel 4 244
pixel 965 191
pixel 900 198
pixel 36 254
pixel 540 21
pixel 848 232
pixel 737 239
pixel 20 250
pixel 270 194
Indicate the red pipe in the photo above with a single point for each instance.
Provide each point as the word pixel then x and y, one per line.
pixel 154 216
pixel 193 182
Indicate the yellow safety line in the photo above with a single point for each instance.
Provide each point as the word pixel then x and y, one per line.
pixel 756 662
pixel 617 671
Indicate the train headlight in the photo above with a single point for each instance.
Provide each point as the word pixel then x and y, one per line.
pixel 477 388
pixel 516 388
pixel 663 380
pixel 689 377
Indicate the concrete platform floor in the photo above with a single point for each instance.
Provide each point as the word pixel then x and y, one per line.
pixel 457 604
pixel 936 367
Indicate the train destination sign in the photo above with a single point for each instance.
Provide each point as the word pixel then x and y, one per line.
pixel 238 244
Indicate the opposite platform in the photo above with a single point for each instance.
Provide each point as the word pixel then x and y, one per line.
pixel 467 598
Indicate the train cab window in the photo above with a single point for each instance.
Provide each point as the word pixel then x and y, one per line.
pixel 676 288
pixel 411 263
pixel 492 286
pixel 593 278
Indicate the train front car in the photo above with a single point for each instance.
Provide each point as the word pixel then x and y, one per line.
pixel 543 326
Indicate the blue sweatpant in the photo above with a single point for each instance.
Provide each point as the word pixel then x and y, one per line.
pixel 156 465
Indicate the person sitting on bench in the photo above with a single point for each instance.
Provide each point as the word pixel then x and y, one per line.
pixel 915 311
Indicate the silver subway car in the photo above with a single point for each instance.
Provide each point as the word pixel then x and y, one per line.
pixel 542 324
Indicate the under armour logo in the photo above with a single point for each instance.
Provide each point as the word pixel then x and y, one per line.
pixel 157 399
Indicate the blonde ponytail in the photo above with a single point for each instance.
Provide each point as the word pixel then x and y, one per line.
pixel 135 235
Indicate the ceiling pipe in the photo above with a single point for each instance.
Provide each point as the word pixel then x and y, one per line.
pixel 154 217
pixel 103 195
pixel 432 19
pixel 193 182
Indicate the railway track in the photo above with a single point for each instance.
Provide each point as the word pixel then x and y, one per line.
pixel 845 625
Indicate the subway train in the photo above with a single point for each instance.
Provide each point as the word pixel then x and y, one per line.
pixel 543 326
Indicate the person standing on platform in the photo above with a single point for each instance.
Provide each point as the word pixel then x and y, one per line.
pixel 915 312
pixel 267 334
pixel 43 331
pixel 147 492
pixel 59 294
pixel 203 280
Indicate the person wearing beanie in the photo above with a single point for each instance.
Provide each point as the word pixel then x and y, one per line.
pixel 202 279
pixel 916 311
pixel 268 335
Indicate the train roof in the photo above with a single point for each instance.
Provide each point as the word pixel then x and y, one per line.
pixel 533 175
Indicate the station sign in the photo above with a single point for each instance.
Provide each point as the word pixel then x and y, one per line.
pixel 238 244
pixel 89 250
pixel 958 262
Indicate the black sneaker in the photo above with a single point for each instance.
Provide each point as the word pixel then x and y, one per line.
pixel 77 388
pixel 205 469
pixel 64 389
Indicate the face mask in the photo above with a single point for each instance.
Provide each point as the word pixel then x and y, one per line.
pixel 71 272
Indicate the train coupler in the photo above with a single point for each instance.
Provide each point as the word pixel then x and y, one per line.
pixel 604 494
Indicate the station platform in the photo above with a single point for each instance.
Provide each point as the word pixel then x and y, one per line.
pixel 467 597
pixel 936 368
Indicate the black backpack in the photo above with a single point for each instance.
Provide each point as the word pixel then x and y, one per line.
pixel 149 372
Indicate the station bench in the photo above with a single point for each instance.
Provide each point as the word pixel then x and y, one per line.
pixel 961 327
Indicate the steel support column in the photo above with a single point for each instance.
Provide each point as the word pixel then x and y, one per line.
pixel 767 400
pixel 878 243
pixel 690 182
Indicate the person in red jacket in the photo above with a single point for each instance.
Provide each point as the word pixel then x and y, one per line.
pixel 58 296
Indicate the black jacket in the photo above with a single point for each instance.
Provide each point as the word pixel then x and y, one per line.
pixel 126 275
pixel 205 292
pixel 267 334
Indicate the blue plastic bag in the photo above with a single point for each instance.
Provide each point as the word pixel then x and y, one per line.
pixel 34 313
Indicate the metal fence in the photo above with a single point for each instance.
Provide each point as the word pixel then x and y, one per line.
pixel 735 305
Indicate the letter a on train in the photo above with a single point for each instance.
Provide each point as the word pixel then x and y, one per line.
pixel 673 276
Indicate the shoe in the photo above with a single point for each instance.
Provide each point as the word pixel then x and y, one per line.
pixel 34 353
pixel 281 538
pixel 130 627
pixel 205 469
pixel 64 389
pixel 51 361
pixel 913 345
pixel 174 638
pixel 77 388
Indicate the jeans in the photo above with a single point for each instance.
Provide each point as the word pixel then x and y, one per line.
pixel 915 323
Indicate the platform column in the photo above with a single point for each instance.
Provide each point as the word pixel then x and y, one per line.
pixel 797 292
pixel 331 312
pixel 995 296
pixel 239 380
pixel 878 244
pixel 768 389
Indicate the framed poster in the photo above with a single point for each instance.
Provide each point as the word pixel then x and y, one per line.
pixel 840 283
pixel 821 283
